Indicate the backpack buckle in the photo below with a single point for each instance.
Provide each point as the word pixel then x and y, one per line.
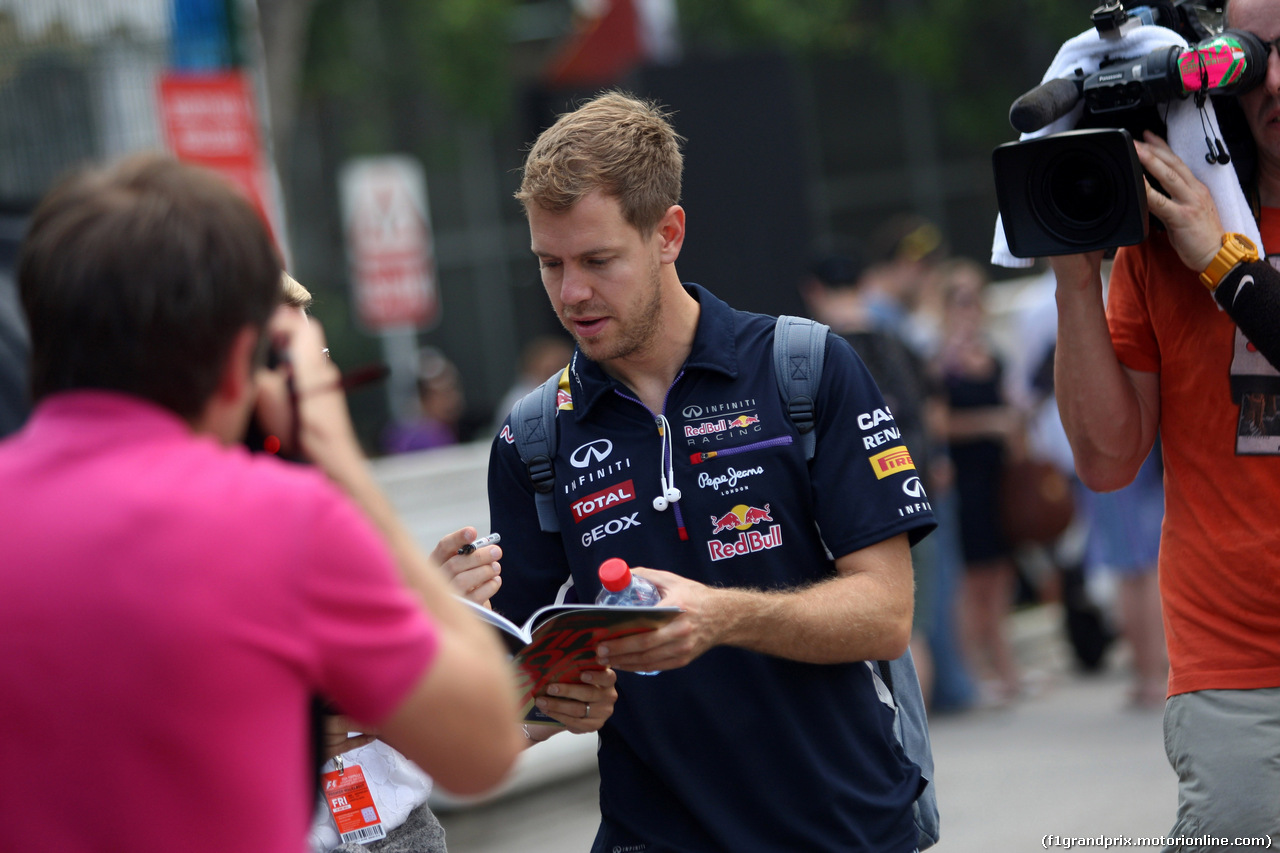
pixel 800 410
pixel 542 472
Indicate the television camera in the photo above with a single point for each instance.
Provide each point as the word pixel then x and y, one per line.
pixel 1080 190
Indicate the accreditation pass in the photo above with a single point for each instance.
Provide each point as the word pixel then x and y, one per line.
pixel 351 804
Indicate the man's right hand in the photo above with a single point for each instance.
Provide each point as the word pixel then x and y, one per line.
pixel 474 576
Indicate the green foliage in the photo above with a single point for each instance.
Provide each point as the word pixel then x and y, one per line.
pixel 456 48
pixel 796 25
pixel 976 56
pixel 462 49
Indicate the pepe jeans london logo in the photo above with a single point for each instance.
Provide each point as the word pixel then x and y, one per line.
pixel 591 452
pixel 728 482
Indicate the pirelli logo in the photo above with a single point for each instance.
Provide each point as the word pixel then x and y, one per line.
pixel 892 461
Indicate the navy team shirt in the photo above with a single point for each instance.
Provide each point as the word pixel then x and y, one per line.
pixel 738 751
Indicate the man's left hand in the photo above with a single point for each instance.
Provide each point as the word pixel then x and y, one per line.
pixel 582 707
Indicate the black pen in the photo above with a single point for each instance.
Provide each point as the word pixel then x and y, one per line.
pixel 491 539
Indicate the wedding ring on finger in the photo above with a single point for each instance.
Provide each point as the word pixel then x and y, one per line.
pixel 588 711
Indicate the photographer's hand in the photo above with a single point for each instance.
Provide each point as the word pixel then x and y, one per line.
pixel 300 401
pixel 1188 211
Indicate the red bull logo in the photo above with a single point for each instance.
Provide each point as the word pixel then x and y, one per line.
pixel 728 521
pixel 743 518
pixel 895 460
pixel 740 517
pixel 722 425
pixel 748 542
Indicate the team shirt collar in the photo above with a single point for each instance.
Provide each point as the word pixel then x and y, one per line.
pixel 714 349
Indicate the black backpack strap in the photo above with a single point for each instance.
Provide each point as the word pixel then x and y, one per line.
pixel 533 427
pixel 799 345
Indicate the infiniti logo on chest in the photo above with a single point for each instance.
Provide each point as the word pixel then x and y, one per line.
pixel 591 452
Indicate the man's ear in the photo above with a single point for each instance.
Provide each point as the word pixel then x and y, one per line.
pixel 670 232
pixel 226 413
pixel 235 382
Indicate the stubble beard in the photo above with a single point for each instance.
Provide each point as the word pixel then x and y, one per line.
pixel 639 333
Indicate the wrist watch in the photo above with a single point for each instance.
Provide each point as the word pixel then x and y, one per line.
pixel 1236 249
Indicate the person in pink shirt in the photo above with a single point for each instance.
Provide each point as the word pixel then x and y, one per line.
pixel 173 603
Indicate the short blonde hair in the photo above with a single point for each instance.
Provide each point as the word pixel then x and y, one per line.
pixel 615 143
pixel 295 295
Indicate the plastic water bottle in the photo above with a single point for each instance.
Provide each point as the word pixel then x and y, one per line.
pixel 625 589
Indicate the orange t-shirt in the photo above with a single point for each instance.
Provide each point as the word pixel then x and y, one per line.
pixel 1220 544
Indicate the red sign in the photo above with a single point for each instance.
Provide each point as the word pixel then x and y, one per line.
pixel 210 119
pixel 388 228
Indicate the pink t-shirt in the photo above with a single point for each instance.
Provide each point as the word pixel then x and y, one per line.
pixel 168 608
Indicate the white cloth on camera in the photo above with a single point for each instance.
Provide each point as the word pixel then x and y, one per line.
pixel 1086 52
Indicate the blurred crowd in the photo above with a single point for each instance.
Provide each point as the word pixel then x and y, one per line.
pixel 967 368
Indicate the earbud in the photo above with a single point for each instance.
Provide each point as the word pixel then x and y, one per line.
pixel 1219 156
pixel 670 494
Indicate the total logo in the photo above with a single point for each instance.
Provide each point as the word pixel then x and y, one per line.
pixel 610 527
pixel 588 506
pixel 743 517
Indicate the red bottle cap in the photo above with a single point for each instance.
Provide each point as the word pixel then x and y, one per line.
pixel 615 574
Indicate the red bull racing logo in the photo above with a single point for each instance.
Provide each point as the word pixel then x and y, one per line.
pixel 720 426
pixel 743 518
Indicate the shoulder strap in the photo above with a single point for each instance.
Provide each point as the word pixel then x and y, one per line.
pixel 533 427
pixel 798 347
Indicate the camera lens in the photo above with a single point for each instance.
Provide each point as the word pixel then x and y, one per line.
pixel 1081 189
pixel 1069 192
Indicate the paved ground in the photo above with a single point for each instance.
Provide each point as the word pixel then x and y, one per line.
pixel 1071 760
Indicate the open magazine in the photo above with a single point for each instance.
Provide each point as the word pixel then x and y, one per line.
pixel 558 642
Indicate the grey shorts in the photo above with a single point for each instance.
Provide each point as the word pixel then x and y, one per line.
pixel 1225 747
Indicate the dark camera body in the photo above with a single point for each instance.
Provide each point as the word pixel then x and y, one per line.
pixel 1070 193
pixel 1082 190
